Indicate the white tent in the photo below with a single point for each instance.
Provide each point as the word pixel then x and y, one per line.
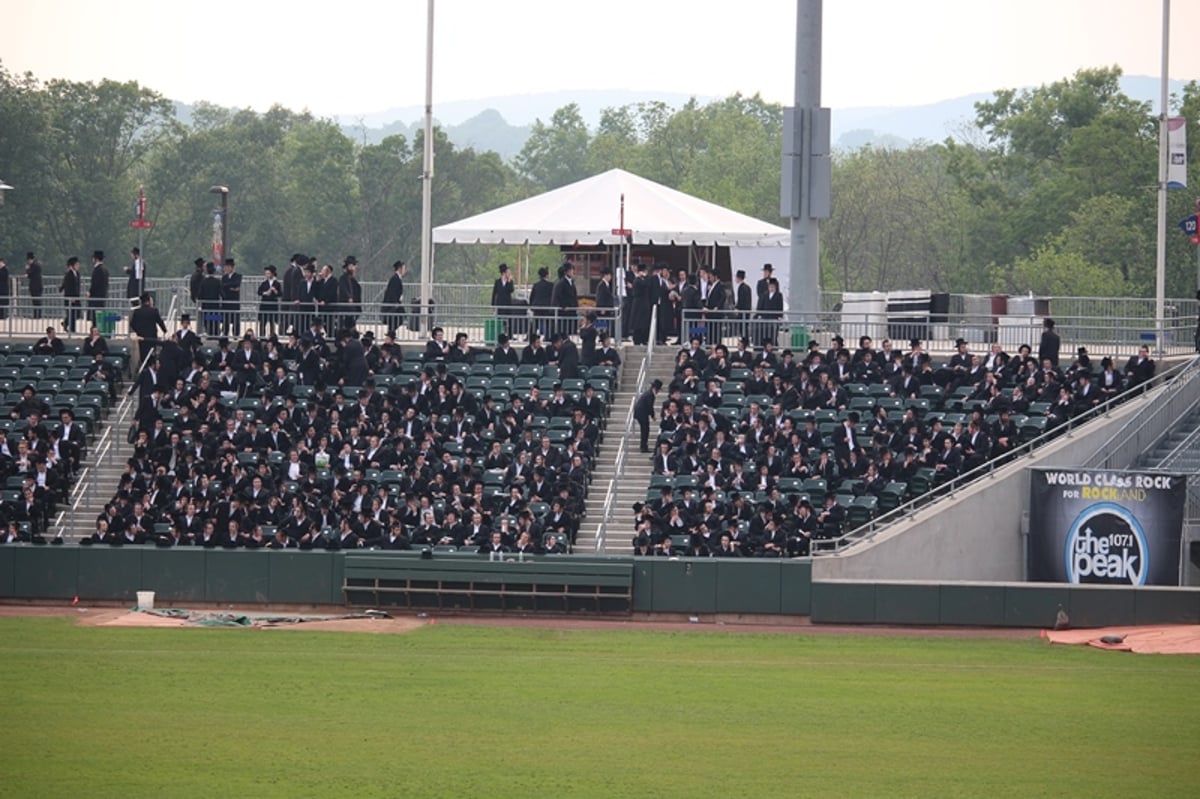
pixel 586 212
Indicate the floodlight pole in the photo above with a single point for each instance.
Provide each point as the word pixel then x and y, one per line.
pixel 427 180
pixel 1160 267
pixel 804 193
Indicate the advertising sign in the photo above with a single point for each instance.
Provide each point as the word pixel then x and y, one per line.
pixel 1106 527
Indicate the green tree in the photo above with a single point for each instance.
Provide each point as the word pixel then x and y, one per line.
pixel 556 154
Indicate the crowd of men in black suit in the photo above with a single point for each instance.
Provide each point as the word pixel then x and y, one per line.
pixel 229 452
pixel 702 302
pixel 735 457
pixel 46 456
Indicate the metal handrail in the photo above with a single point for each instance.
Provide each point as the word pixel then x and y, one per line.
pixel 622 448
pixel 1104 455
pixel 948 489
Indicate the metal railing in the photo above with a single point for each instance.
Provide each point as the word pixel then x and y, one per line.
pixel 948 489
pixel 104 451
pixel 1170 406
pixel 623 448
pixel 1116 336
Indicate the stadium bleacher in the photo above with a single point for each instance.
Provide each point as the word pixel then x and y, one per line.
pixel 404 460
pixel 767 454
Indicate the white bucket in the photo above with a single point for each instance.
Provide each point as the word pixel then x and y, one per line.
pixel 145 600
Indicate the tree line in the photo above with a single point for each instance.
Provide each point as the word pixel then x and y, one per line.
pixel 1050 190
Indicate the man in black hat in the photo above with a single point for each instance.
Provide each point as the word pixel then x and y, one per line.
pixel 643 411
pixel 270 290
pixel 641 299
pixel 502 292
pixel 33 274
pixel 231 297
pixel 541 300
pixel 393 298
pixel 743 302
pixel 760 289
pixel 605 299
pixel 565 297
pixel 567 356
pixel 145 322
pixel 186 338
pixel 210 300
pixel 1049 345
pixel 196 279
pixel 137 274
pixel 97 292
pixel 770 307
pixel 293 280
pixel 71 289
pixel 350 293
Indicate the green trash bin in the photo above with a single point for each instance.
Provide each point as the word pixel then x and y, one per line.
pixel 107 322
pixel 799 339
pixel 492 328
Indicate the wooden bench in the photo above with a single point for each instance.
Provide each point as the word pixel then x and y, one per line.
pixel 561 584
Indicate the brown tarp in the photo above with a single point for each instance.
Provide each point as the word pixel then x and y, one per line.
pixel 1168 639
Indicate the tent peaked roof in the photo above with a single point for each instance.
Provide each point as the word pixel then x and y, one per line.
pixel 586 212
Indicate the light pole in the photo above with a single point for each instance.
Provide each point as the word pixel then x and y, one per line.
pixel 219 258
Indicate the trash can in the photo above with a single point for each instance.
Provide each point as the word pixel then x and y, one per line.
pixel 492 328
pixel 799 340
pixel 107 322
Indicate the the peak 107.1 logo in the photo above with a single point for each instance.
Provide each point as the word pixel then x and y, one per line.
pixel 1106 545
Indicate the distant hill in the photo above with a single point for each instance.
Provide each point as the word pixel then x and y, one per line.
pixel 503 124
pixel 855 127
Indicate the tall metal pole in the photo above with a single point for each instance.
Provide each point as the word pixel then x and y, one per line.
pixel 804 284
pixel 427 179
pixel 1160 271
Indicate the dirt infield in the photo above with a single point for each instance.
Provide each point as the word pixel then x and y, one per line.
pixel 107 616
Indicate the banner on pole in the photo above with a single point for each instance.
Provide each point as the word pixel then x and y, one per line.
pixel 218 238
pixel 1108 527
pixel 1176 153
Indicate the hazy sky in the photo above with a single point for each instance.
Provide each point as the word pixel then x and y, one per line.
pixel 358 56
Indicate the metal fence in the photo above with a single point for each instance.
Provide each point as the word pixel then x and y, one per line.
pixel 1116 336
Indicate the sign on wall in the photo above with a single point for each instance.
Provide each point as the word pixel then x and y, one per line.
pixel 1106 527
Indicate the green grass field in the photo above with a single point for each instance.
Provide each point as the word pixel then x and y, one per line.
pixel 462 711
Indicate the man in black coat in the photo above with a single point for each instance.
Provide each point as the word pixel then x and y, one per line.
pixel 393 298
pixel 231 297
pixel 293 282
pixel 269 292
pixel 33 273
pixel 1049 345
pixel 97 292
pixel 210 300
pixel 565 297
pixel 760 289
pixel 502 292
pixel 568 356
pixel 71 288
pixel 712 300
pixel 541 300
pixel 770 307
pixel 641 298
pixel 354 359
pixel 643 411
pixel 145 322
pixel 195 280
pixel 350 293
pixel 605 300
pixel 743 302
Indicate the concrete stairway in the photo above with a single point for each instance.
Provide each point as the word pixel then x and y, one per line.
pixel 1188 459
pixel 630 485
pixel 105 462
